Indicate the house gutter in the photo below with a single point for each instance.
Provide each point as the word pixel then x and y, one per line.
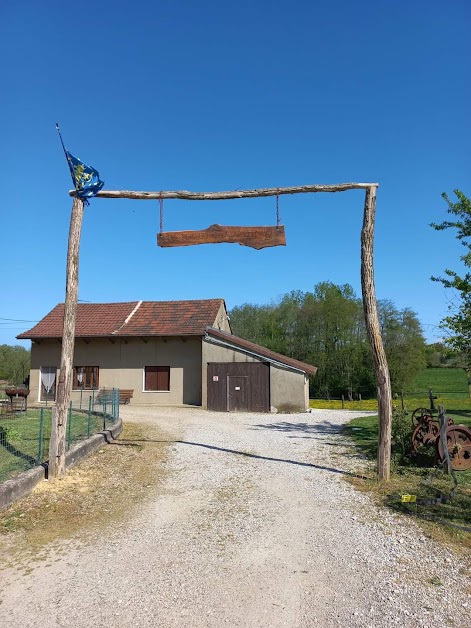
pixel 222 343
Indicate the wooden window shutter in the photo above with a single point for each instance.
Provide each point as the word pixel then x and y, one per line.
pixel 157 378
pixel 151 378
pixel 163 378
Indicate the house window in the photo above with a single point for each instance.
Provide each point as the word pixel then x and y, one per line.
pixel 48 383
pixel 156 378
pixel 85 377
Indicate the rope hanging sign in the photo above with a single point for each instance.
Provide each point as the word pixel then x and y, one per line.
pixel 255 237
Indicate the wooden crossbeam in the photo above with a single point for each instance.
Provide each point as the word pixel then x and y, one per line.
pixel 231 194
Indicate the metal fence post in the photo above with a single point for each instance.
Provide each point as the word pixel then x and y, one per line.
pixel 113 403
pixel 431 397
pixel 104 411
pixel 69 425
pixel 89 416
pixel 361 405
pixel 40 436
pixel 443 422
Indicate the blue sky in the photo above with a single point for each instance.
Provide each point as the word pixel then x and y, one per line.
pixel 216 96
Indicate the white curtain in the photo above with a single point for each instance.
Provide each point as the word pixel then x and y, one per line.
pixel 48 376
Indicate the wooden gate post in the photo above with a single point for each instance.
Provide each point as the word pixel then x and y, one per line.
pixel 57 444
pixel 374 336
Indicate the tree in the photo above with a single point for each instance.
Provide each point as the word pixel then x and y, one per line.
pixel 458 322
pixel 326 327
pixel 438 354
pixel 14 364
pixel 404 344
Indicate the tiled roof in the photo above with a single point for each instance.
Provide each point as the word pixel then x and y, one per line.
pixel 251 347
pixel 136 318
pixel 172 318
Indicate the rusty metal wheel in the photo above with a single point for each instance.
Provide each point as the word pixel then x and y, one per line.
pixel 419 415
pixel 426 433
pixel 458 438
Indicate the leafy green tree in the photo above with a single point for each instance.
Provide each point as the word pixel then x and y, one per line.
pixel 14 364
pixel 458 322
pixel 326 327
pixel 404 344
pixel 438 354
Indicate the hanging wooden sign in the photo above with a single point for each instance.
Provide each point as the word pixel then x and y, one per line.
pixel 255 237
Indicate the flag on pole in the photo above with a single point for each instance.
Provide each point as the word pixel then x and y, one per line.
pixel 86 179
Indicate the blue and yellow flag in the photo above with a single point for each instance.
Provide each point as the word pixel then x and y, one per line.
pixel 86 179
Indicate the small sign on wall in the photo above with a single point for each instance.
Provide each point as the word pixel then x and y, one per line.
pixel 215 378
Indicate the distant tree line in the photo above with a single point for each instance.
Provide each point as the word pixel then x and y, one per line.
pixel 326 328
pixel 441 355
pixel 14 364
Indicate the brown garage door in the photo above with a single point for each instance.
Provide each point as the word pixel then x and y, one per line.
pixel 239 386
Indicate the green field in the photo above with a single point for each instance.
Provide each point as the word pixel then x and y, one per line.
pixel 442 380
pixel 450 385
pixel 25 444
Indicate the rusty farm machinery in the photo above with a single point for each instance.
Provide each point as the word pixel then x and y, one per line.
pixel 427 433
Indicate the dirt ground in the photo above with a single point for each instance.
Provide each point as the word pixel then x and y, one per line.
pixel 200 519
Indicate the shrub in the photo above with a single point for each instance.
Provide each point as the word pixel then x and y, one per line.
pixel 401 433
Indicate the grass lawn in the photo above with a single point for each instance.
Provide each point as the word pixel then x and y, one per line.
pixel 20 446
pixel 409 479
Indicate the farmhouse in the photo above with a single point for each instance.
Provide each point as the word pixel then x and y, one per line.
pixel 166 353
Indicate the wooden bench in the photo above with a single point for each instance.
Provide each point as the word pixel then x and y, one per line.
pixel 125 395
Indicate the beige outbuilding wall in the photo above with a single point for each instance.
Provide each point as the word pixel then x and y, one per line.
pixel 222 320
pixel 121 365
pixel 289 389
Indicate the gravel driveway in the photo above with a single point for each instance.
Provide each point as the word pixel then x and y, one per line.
pixel 254 526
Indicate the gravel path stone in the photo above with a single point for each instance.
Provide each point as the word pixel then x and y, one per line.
pixel 254 526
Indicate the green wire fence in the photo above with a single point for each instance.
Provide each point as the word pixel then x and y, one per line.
pixel 25 434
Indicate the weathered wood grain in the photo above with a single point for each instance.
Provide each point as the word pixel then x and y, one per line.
pixel 57 445
pixel 217 196
pixel 255 237
pixel 383 381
